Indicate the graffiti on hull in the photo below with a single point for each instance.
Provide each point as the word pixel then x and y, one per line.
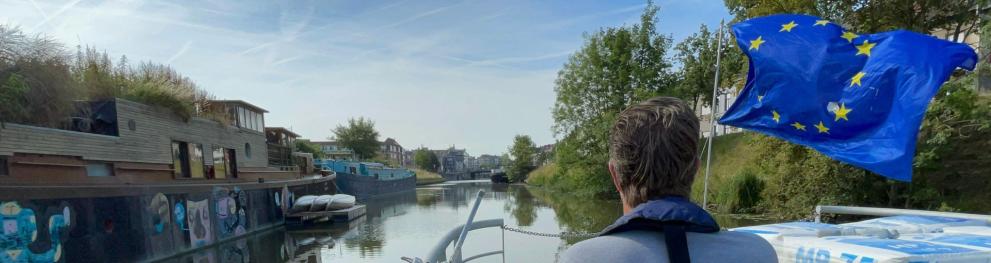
pixel 20 230
pixel 231 211
pixel 198 215
pixel 160 214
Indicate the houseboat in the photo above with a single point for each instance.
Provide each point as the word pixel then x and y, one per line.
pixel 125 182
pixel 368 179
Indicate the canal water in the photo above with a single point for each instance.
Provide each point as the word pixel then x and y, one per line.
pixel 409 224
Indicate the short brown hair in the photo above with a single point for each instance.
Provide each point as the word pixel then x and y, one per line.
pixel 652 148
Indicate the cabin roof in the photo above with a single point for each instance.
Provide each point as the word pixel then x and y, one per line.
pixel 241 103
pixel 282 130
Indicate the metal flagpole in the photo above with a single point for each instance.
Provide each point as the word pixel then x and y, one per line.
pixel 712 120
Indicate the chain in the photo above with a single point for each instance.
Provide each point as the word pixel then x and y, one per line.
pixel 557 235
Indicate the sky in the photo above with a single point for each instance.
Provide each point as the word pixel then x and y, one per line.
pixel 469 74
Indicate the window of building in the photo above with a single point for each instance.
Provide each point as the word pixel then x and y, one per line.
pixel 220 170
pixel 180 159
pixel 99 169
pixel 196 167
pixel 3 166
pixel 247 150
pixel 230 159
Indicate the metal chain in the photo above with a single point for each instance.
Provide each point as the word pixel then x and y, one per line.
pixel 557 235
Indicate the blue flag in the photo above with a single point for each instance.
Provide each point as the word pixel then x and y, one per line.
pixel 857 98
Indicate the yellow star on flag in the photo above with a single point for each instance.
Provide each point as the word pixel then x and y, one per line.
pixel 822 128
pixel 755 44
pixel 865 48
pixel 856 79
pixel 821 22
pixel 842 112
pixel 776 116
pixel 849 36
pixel 798 126
pixel 788 26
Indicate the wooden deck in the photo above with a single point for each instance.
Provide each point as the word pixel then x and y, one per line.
pixel 343 215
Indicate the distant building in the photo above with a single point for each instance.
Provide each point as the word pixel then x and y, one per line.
pixel 488 161
pixel 336 152
pixel 393 152
pixel 471 163
pixel 451 160
pixel 544 155
pixel 725 98
pixel 408 156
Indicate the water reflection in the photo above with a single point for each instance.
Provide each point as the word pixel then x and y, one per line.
pixel 410 223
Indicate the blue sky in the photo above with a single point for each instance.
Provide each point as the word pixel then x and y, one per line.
pixel 431 73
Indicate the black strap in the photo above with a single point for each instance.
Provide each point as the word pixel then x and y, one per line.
pixel 677 243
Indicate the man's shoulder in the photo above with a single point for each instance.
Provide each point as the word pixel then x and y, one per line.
pixel 646 246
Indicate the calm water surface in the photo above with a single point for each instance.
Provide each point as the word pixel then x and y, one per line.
pixel 409 224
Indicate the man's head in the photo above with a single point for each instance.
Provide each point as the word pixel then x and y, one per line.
pixel 652 150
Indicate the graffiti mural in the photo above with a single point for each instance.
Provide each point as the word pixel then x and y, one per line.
pixel 179 212
pixel 231 208
pixel 198 215
pixel 160 214
pixel 20 230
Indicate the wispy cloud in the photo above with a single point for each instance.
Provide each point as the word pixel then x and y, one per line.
pixel 178 54
pixel 48 18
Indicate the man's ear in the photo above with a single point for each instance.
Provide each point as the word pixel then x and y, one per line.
pixel 615 179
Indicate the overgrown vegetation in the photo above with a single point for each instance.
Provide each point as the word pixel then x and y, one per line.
pixel 40 80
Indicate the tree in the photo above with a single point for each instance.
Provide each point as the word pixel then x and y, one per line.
pixel 522 155
pixel 426 159
pixel 303 145
pixel 614 68
pixel 359 136
pixel 697 55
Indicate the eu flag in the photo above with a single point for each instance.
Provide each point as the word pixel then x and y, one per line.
pixel 857 98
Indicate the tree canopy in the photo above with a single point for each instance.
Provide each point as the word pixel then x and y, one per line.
pixel 522 155
pixel 360 136
pixel 304 145
pixel 426 159
pixel 614 68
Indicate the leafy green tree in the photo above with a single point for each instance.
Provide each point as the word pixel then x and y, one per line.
pixel 614 68
pixel 522 155
pixel 697 55
pixel 426 159
pixel 360 136
pixel 303 145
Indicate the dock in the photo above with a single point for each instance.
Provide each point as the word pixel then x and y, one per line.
pixel 342 215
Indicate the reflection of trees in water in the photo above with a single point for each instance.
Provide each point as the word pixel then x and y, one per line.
pixel 389 205
pixel 369 239
pixel 521 205
pixel 579 213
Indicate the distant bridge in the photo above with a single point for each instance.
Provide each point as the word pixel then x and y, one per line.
pixel 473 174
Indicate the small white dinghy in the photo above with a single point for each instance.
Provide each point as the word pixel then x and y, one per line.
pixel 341 201
pixel 302 204
pixel 320 203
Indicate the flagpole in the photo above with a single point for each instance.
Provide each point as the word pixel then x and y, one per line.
pixel 712 120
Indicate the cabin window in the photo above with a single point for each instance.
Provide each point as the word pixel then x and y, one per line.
pixel 222 162
pixel 180 159
pixel 230 158
pixel 247 151
pixel 196 163
pixel 99 169
pixel 3 166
